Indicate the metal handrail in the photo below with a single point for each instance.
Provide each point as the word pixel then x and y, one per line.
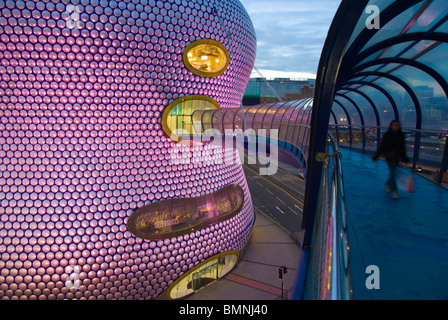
pixel 329 276
pixel 417 146
pixel 385 128
pixel 342 288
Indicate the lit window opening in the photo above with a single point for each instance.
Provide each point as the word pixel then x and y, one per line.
pixel 207 58
pixel 177 119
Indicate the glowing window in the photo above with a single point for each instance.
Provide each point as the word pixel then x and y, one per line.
pixel 203 274
pixel 207 58
pixel 180 216
pixel 177 117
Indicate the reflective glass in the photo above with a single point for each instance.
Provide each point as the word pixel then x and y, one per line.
pixel 203 274
pixel 406 108
pixel 269 116
pixel 369 58
pixel 283 130
pixel 443 28
pixel 393 27
pixel 417 48
pixel 386 68
pixel 432 15
pixel 382 104
pixel 340 114
pixel 177 217
pixel 436 59
pixel 430 95
pixel 206 57
pixel 361 25
pixel 355 118
pixel 177 117
pixel 390 52
pixel 365 107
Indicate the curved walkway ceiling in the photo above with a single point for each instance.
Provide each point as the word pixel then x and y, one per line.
pixel 382 60
pixel 405 55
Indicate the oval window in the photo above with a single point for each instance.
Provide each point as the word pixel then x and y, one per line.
pixel 177 217
pixel 207 58
pixel 203 274
pixel 177 118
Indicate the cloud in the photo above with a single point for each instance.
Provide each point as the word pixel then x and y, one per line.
pixel 290 33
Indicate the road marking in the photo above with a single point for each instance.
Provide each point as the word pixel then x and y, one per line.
pixel 280 200
pixel 298 207
pixel 269 191
pixel 274 184
pixel 279 210
pixel 293 211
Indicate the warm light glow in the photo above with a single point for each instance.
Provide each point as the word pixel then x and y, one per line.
pixel 211 269
pixel 177 217
pixel 177 119
pixel 206 57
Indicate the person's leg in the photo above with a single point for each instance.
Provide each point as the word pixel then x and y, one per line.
pixel 393 165
pixel 389 180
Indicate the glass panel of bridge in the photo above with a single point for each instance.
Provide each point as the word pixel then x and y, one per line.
pixel 278 116
pixel 259 115
pixel 355 117
pixel 342 123
pixel 382 104
pixel 283 130
pixel 365 107
pixel 361 25
pixel 296 131
pixel 443 28
pixel 217 121
pixel 227 119
pixel 431 96
pixel 269 115
pixel 238 122
pixel 432 15
pixel 393 27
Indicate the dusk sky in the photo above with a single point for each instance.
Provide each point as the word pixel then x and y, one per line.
pixel 290 35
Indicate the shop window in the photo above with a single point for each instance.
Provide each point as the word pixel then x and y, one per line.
pixel 177 118
pixel 180 216
pixel 207 58
pixel 203 274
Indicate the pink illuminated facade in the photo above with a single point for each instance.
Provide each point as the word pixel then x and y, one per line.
pixel 83 88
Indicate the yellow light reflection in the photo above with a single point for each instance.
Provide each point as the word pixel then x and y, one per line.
pixel 206 57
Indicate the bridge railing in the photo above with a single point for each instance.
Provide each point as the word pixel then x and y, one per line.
pixel 328 272
pixel 426 149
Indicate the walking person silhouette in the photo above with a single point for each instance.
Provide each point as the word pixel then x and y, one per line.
pixel 393 148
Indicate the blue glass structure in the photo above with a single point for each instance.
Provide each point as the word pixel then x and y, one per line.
pixel 383 60
pixel 69 183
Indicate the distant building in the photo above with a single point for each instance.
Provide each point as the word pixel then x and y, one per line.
pixel 258 92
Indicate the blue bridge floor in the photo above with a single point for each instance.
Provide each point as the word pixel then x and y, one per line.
pixel 407 239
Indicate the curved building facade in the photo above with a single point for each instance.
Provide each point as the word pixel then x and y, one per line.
pixel 85 143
